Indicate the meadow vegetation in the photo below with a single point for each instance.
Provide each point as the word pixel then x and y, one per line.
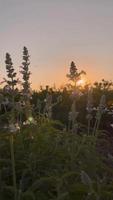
pixel 55 144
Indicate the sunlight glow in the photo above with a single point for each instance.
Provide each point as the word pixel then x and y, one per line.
pixel 81 82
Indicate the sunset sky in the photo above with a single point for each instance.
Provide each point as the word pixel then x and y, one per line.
pixel 57 32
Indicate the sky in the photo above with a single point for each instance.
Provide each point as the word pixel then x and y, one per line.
pixel 55 33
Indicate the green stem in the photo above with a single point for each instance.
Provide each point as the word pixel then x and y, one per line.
pixel 94 129
pixel 98 123
pixel 13 166
pixel 89 126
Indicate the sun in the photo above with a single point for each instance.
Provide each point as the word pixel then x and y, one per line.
pixel 81 82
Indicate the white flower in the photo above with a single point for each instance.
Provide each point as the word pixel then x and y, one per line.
pixel 29 121
pixel 13 127
pixel 94 108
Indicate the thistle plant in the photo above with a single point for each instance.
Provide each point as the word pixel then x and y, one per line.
pixel 10 89
pixel 25 73
pixel 100 112
pixel 74 75
pixel 89 108
pixel 73 114
pixel 38 108
pixel 11 92
pixel 13 165
pixel 49 105
pixel 26 91
pixel 11 74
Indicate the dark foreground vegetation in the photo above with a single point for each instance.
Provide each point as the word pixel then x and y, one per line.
pixel 55 144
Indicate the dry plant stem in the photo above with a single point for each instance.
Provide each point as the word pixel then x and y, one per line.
pixel 13 166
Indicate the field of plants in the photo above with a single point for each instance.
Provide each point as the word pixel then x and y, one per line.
pixel 55 144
